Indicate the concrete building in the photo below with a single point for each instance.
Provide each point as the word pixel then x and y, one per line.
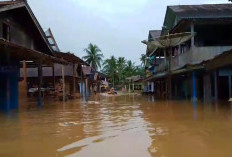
pixel 183 73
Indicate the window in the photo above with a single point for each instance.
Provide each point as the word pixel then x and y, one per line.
pixel 6 31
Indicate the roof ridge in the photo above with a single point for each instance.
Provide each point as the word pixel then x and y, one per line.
pixel 200 4
pixel 10 2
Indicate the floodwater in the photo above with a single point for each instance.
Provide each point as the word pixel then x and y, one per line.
pixel 120 126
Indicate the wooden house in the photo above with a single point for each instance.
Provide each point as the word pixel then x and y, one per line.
pixel 21 38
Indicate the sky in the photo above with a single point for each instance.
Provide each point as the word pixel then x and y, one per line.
pixel 116 26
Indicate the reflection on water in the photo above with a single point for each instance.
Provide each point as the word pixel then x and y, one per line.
pixel 130 126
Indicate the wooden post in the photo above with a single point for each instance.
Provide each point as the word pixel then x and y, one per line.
pixel 74 80
pixel 54 77
pixel 40 76
pixel 215 85
pixel 194 86
pixel 229 86
pixel 86 87
pixel 63 79
pixel 82 86
pixel 24 71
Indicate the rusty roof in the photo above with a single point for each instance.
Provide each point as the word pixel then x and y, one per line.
pixel 203 11
pixel 70 57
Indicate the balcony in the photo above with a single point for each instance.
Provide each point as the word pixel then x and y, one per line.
pixel 197 55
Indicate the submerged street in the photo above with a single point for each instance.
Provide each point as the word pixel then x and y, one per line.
pixel 118 126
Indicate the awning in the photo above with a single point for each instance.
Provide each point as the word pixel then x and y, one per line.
pixel 169 40
pixel 20 53
pixel 156 76
pixel 187 69
pixel 70 58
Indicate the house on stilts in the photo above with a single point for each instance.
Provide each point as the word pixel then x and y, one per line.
pixel 21 39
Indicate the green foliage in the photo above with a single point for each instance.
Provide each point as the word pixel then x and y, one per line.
pixel 143 59
pixel 93 57
pixel 119 69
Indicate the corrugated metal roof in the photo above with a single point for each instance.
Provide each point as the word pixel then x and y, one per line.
pixel 70 57
pixel 203 11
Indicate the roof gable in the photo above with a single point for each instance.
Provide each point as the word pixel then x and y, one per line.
pixel 176 13
pixel 9 6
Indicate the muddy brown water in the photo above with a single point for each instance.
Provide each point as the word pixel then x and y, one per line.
pixel 121 126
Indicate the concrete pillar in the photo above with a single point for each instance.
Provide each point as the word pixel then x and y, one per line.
pixel 192 33
pixel 194 86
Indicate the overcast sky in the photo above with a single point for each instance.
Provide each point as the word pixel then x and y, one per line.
pixel 116 26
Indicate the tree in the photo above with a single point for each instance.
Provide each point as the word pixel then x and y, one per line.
pixel 121 64
pixel 93 57
pixel 143 59
pixel 110 68
pixel 130 69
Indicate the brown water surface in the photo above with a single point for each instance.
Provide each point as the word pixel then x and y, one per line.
pixel 122 126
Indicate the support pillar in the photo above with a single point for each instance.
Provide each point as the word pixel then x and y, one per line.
pixel 86 87
pixel 14 89
pixel 63 82
pixel 194 86
pixel 82 90
pixel 207 88
pixel 215 86
pixel 40 84
pixel 53 75
pixel 229 86
pixel 74 80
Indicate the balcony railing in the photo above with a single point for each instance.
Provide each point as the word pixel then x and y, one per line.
pixel 194 55
pixel 197 55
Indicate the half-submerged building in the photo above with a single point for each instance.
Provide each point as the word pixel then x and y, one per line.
pixel 193 69
pixel 21 38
